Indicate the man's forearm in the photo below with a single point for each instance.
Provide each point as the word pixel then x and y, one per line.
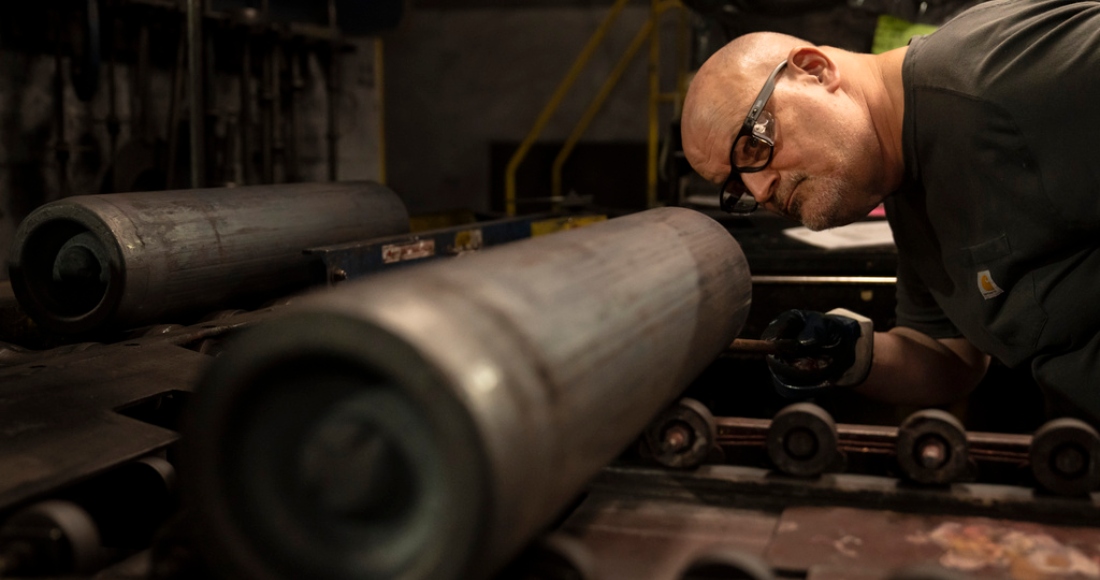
pixel 911 368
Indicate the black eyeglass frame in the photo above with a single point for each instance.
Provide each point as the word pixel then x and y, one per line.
pixel 745 203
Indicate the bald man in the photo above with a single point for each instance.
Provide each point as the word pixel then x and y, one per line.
pixel 982 139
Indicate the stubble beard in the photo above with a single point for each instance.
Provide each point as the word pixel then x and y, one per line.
pixel 822 204
pixel 839 198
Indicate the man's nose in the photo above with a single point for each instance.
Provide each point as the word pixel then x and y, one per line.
pixel 760 184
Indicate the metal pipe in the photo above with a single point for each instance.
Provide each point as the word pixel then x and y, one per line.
pixel 267 119
pixel 332 92
pixel 751 346
pixel 174 108
pixel 247 176
pixel 195 90
pixel 94 262
pixel 427 423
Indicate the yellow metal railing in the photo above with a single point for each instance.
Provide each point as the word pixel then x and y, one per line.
pixel 650 31
pixel 596 104
pixel 555 101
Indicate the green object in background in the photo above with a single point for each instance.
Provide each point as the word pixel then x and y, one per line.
pixel 891 33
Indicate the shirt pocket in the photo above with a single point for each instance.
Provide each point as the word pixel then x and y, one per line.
pixel 1002 308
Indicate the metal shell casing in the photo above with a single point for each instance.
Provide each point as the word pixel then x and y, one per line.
pixel 88 263
pixel 499 382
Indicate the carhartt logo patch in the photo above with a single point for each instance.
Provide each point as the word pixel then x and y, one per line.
pixel 987 286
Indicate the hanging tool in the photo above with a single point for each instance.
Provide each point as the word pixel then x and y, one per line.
pixel 84 68
pixel 278 144
pixel 293 126
pixel 195 90
pixel 114 127
pixel 138 163
pixel 248 19
pixel 174 107
pixel 332 92
pixel 62 152
pixel 216 158
pixel 267 112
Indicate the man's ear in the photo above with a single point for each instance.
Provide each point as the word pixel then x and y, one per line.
pixel 812 61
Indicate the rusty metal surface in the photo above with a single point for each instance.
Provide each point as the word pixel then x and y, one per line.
pixel 633 539
pixel 60 421
pixel 880 541
pixel 87 263
pixel 875 439
pixel 524 369
pixel 845 573
pixel 755 488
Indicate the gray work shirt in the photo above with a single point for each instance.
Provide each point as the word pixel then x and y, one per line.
pixel 998 223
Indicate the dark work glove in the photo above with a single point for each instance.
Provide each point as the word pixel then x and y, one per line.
pixel 819 350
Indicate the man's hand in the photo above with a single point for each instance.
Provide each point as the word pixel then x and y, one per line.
pixel 819 350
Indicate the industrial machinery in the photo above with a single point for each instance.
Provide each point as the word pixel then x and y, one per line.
pixel 398 428
pixel 91 262
pixel 588 404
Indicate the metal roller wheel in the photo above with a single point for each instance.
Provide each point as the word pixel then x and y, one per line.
pixel 727 564
pixel 682 435
pixel 1065 457
pixel 49 538
pixel 932 447
pixel 802 440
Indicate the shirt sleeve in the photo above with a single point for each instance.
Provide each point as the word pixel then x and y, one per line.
pixel 916 308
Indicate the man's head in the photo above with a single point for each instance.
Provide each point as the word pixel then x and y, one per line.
pixel 827 165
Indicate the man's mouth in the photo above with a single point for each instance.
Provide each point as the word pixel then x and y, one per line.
pixel 790 197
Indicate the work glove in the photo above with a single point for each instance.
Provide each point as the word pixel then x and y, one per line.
pixel 819 351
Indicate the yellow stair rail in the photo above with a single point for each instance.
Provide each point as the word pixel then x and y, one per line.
pixel 596 104
pixel 554 103
pixel 656 97
pixel 649 30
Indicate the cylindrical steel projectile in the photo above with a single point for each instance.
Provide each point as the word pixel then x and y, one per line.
pixel 426 423
pixel 122 260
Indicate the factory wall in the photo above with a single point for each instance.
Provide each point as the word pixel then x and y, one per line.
pixel 30 173
pixel 459 80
